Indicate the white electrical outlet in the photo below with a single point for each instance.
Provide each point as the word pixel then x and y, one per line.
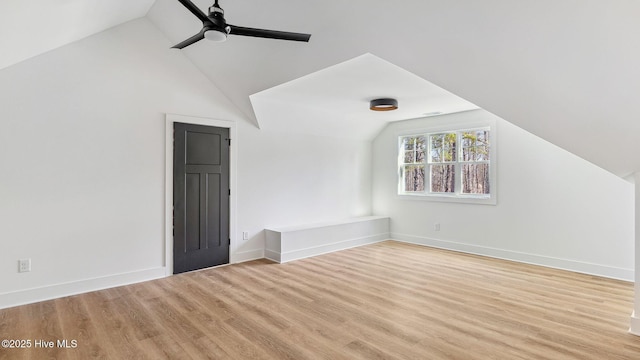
pixel 24 265
pixel 245 235
pixel 436 226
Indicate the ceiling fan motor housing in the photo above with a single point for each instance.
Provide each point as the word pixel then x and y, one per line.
pixel 216 16
pixel 215 9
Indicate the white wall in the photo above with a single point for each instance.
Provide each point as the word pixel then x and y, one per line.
pixel 553 208
pixel 292 179
pixel 82 159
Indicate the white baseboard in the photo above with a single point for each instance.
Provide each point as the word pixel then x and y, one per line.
pixel 272 255
pixel 635 325
pixel 49 292
pixel 564 264
pixel 248 256
pixel 326 248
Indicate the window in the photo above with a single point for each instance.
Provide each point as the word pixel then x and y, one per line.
pixel 413 165
pixel 447 164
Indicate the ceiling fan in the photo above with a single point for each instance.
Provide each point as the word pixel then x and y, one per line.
pixel 215 28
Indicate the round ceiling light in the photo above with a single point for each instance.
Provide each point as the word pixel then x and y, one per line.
pixel 215 35
pixel 384 104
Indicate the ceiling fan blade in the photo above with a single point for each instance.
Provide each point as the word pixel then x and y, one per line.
pixel 195 38
pixel 270 34
pixel 194 10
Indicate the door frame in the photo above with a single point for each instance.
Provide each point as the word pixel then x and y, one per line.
pixel 168 181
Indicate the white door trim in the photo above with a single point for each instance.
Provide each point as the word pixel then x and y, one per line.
pixel 168 181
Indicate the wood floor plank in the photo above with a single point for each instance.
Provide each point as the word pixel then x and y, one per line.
pixel 389 300
pixel 77 328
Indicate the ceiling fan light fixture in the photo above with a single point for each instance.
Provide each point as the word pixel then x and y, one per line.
pixel 215 35
pixel 383 104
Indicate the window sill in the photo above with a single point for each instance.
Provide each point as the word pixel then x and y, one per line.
pixel 468 199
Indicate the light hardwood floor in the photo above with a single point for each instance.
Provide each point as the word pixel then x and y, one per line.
pixel 384 301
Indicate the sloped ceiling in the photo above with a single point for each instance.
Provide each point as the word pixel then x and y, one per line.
pixel 32 27
pixel 565 70
pixel 335 101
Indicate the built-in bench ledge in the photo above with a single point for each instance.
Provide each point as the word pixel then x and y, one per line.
pixel 296 242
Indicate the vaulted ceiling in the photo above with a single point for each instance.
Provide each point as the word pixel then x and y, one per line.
pixel 565 70
pixel 32 27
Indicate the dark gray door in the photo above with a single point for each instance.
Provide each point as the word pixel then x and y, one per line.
pixel 200 197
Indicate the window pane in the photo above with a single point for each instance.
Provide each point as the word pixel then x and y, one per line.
pixel 409 157
pixel 450 146
pixel 475 145
pixel 414 178
pixel 436 155
pixel 436 147
pixel 443 147
pixel 408 143
pixel 414 142
pixel 483 137
pixel 475 179
pixel 414 149
pixel 443 178
pixel 483 145
pixel 420 150
pixel 482 153
pixel 469 139
pixel 469 153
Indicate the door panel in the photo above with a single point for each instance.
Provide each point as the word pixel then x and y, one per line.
pixel 201 196
pixel 192 215
pixel 213 208
pixel 203 148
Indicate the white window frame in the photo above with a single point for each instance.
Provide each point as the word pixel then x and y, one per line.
pixel 458 196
